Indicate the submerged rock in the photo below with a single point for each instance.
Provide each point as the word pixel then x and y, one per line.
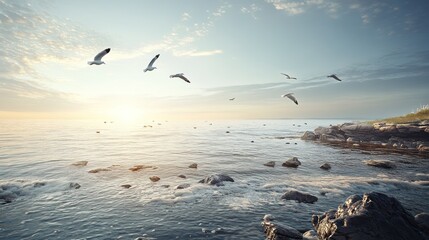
pixel 182 176
pixel 183 186
pixel 217 179
pixel 270 164
pixel 154 178
pixel 299 197
pixel 310 235
pixel 380 163
pixel 193 165
pixel 97 170
pixel 80 163
pixel 126 186
pixel 373 216
pixel 140 167
pixel 326 166
pixel 292 162
pixel 308 135
pixel 276 231
pixel 73 185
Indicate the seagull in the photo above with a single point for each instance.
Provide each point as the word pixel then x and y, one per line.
pixel 288 77
pixel 231 99
pixel 291 97
pixel 149 67
pixel 180 75
pixel 97 58
pixel 334 77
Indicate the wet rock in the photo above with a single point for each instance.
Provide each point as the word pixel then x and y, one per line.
pixel 292 162
pixel 276 231
pixel 299 197
pixel 126 186
pixel 373 216
pixel 308 135
pixel 154 178
pixel 97 170
pixel 270 164
pixel 380 163
pixel 193 165
pixel 326 166
pixel 80 163
pixel 165 186
pixel 310 235
pixel 422 220
pixel 73 185
pixel 217 179
pixel 182 176
pixel 183 186
pixel 140 167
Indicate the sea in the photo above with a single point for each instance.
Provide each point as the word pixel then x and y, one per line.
pixel 38 202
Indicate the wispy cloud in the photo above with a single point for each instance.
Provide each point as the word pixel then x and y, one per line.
pixel 252 9
pixel 30 36
pixel 195 53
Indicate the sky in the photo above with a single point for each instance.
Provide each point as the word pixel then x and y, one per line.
pixel 227 49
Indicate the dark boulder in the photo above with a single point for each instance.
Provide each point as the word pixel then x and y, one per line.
pixel 292 162
pixel 422 220
pixel 216 179
pixel 374 216
pixel 299 197
pixel 276 231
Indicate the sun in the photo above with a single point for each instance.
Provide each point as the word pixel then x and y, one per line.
pixel 126 114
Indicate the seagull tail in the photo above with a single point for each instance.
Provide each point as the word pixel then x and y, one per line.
pixel 145 70
pixel 90 62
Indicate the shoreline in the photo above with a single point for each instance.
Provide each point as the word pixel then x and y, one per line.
pixel 406 138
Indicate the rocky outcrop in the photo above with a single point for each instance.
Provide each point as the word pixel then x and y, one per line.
pixel 422 220
pixel 80 163
pixel 409 138
pixel 292 162
pixel 326 166
pixel 217 179
pixel 193 165
pixel 74 185
pixel 373 216
pixel 299 197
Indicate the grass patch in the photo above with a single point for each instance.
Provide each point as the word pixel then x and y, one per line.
pixel 421 114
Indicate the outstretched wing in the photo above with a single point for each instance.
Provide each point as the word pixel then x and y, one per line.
pixel 334 77
pixel 183 78
pixel 291 97
pixel 153 60
pixel 286 75
pixel 100 55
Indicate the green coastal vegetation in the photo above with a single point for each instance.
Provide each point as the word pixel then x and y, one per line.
pixel 420 114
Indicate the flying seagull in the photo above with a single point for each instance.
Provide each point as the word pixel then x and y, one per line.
pixel 99 56
pixel 334 77
pixel 180 75
pixel 150 67
pixel 291 97
pixel 231 99
pixel 288 77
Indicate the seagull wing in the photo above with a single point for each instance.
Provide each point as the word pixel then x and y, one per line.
pixel 334 77
pixel 291 97
pixel 153 60
pixel 100 55
pixel 286 75
pixel 184 78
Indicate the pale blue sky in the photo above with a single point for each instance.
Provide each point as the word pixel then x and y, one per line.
pixel 226 48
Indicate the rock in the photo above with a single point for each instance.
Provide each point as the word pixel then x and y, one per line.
pixel 380 163
pixel 270 164
pixel 217 179
pixel 80 163
pixel 183 186
pixel 422 220
pixel 165 186
pixel 292 162
pixel 154 178
pixel 73 185
pixel 299 197
pixel 268 217
pixel 277 231
pixel 139 167
pixel 126 186
pixel 374 216
pixel 330 138
pixel 326 166
pixel 352 140
pixel 182 176
pixel 97 170
pixel 193 165
pixel 310 235
pixel 308 135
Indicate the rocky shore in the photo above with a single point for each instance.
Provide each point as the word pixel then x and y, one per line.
pixel 408 138
pixel 373 216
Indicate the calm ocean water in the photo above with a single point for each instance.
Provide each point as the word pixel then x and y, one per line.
pixel 36 158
